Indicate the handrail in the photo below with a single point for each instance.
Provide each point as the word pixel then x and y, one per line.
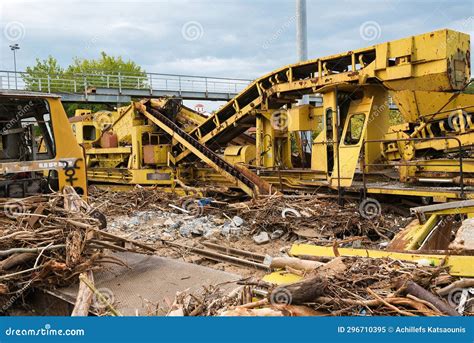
pixel 134 75
pixel 83 82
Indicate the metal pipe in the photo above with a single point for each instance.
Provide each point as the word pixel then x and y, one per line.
pixel 437 180
pixel 301 33
pixel 302 55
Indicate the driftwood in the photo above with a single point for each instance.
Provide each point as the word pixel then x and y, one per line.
pixel 16 259
pixel 390 306
pixel 294 263
pixel 463 283
pixel 421 293
pixel 377 302
pixel 44 244
pixel 299 292
pixel 84 295
pixel 137 199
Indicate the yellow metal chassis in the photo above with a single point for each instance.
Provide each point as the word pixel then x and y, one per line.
pixel 459 265
pixel 421 73
pixel 405 246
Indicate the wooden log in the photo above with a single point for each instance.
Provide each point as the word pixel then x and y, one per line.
pixel 299 292
pixel 421 293
pixel 84 295
pixel 463 283
pixel 295 263
pixel 16 259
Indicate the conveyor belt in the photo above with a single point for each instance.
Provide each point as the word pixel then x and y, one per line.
pixel 248 183
pixel 362 66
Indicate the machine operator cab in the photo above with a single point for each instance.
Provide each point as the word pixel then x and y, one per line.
pixel 38 151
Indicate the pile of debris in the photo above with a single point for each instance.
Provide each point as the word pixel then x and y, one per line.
pixel 156 226
pixel 154 215
pixel 352 286
pixel 113 203
pixel 316 219
pixel 46 241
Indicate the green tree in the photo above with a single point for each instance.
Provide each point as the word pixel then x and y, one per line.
pixel 470 88
pixel 48 75
pixel 45 75
pixel 71 108
pixel 106 70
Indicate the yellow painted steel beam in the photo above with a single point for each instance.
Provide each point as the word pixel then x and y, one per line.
pixel 119 150
pixel 281 278
pixel 419 234
pixel 419 192
pixel 459 265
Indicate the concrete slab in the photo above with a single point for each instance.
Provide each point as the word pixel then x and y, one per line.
pixel 464 239
pixel 148 281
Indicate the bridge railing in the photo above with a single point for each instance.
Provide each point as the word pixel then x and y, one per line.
pixel 83 83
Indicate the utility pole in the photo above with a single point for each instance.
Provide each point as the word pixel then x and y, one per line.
pixel 301 31
pixel 13 48
pixel 302 55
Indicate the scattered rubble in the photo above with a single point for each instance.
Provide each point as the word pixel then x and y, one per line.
pixel 352 286
pixel 286 218
pixel 54 239
pixel 158 225
pixel 314 218
pixel 261 238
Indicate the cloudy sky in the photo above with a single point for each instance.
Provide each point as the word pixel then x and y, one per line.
pixel 216 38
pixel 229 38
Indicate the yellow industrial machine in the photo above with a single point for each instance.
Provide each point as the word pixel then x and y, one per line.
pixel 347 144
pixel 39 152
pixel 134 146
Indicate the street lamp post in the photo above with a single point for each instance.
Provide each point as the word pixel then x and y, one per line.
pixel 13 48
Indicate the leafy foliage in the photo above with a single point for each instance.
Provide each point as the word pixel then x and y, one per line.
pixel 36 77
pixel 470 88
pixel 105 71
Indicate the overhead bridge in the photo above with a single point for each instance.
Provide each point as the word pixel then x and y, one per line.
pixel 122 88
